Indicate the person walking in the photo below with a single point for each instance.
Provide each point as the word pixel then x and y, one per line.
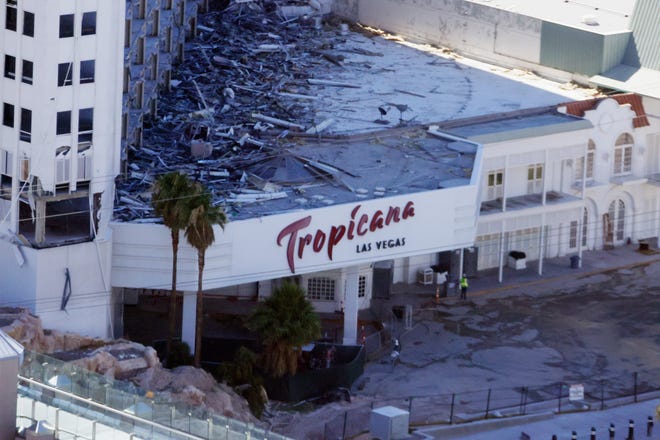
pixel 464 286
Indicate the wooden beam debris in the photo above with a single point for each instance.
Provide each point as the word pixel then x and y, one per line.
pixel 278 122
pixel 318 128
pixel 326 82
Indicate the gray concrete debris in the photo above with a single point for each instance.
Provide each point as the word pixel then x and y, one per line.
pixel 235 104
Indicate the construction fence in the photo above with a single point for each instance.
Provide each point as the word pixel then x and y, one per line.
pixel 452 408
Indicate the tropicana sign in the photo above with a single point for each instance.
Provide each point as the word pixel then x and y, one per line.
pixel 359 225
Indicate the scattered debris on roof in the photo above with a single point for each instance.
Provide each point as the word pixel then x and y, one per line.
pixel 269 85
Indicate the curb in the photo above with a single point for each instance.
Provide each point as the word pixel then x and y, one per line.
pixel 483 292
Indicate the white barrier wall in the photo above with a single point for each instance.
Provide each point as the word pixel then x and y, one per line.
pixel 301 242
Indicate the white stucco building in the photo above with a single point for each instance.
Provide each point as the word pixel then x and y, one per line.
pixel 61 97
pixel 80 76
pixel 562 180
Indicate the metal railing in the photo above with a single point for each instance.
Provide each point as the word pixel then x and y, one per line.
pixel 123 406
pixel 452 408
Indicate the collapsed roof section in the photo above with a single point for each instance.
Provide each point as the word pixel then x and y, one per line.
pixel 290 114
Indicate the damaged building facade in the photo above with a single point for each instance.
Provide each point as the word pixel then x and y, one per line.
pixel 313 135
pixel 66 66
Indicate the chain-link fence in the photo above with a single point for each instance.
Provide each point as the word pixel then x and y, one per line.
pixel 467 406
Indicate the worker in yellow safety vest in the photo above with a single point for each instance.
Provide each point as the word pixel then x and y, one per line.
pixel 464 286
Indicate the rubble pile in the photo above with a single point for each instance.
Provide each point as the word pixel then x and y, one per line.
pixel 127 361
pixel 243 91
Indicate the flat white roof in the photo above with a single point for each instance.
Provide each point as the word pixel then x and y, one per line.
pixel 611 15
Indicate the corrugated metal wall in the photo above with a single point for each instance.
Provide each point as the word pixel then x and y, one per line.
pixel 570 49
pixel 644 47
pixel 614 50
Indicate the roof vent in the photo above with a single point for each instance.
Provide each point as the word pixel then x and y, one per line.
pixel 591 20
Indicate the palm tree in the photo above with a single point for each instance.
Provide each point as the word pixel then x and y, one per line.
pixel 200 235
pixel 284 322
pixel 169 199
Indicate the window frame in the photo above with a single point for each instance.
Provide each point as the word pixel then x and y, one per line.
pixel 28 23
pixel 66 28
pixel 495 184
pixel 535 178
pixel 10 60
pixel 321 289
pixel 63 123
pixel 87 27
pixel 8 115
pixel 362 286
pixel 573 234
pixel 25 128
pixel 65 77
pixel 27 65
pixel 85 124
pixel 622 162
pixel 11 18
pixel 86 78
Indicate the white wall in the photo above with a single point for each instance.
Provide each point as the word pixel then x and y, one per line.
pixel 480 31
pixel 248 251
pixel 39 284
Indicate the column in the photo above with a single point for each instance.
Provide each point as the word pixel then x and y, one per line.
pixel 40 225
pixel 351 305
pixel 188 319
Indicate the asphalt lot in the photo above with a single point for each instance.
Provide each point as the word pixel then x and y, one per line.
pixel 597 326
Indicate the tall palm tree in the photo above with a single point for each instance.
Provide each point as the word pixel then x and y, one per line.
pixel 284 322
pixel 169 199
pixel 200 235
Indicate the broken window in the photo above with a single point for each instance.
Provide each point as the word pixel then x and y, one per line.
pixel 127 33
pixel 168 39
pixel 127 76
pixel 57 221
pixel 139 52
pixel 24 171
pixel 153 67
pixel 124 125
pixel 64 74
pixel 87 71
pixel 26 73
pixel 62 165
pixel 182 14
pixel 26 125
pixel 10 67
pixel 84 162
pixel 64 122
pixel 66 25
pixel 10 19
pixel 5 162
pixel 88 23
pixel 155 22
pixel 138 102
pixel 85 124
pixel 28 24
pixel 7 115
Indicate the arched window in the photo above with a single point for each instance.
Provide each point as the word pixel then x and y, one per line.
pixel 623 155
pixel 617 214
